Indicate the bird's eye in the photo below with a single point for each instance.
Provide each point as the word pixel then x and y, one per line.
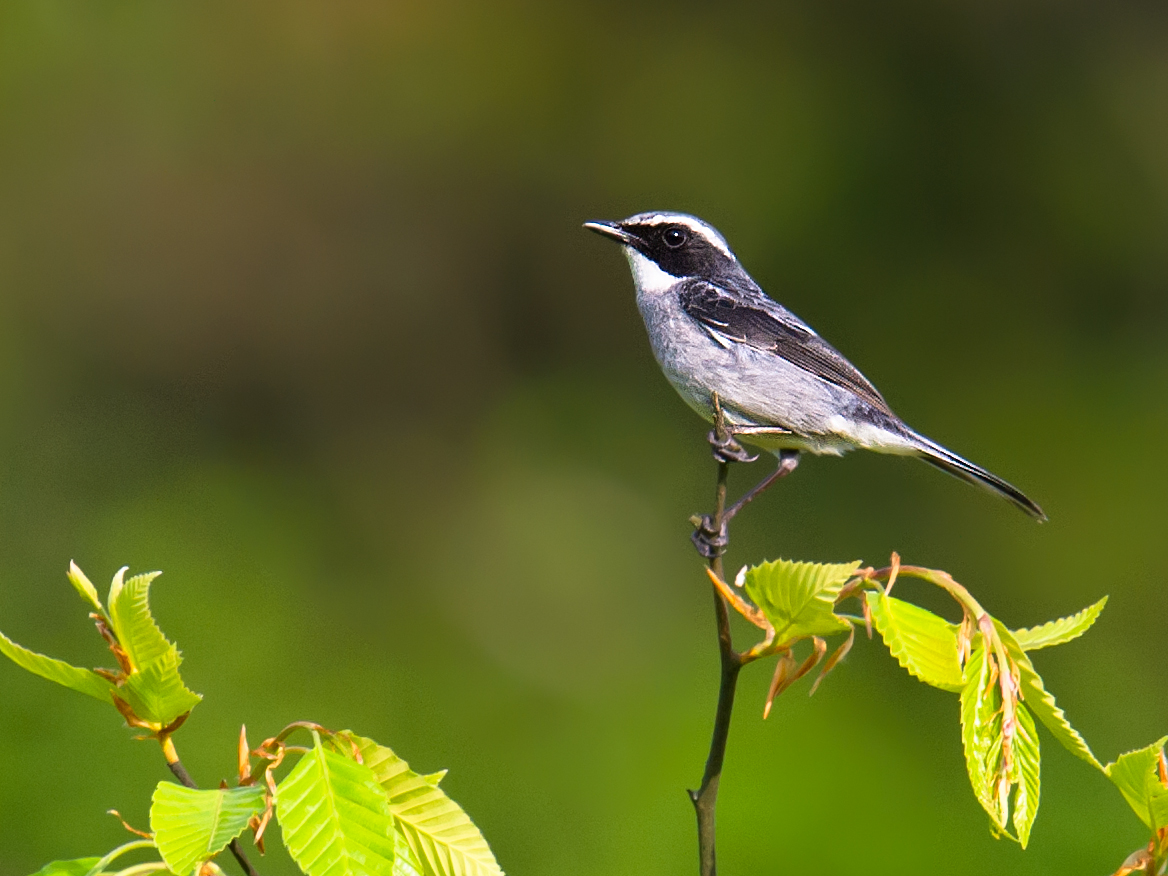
pixel 674 237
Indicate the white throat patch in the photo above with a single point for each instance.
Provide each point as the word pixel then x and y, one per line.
pixel 647 275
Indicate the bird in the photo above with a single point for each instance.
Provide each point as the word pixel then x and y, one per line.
pixel 722 342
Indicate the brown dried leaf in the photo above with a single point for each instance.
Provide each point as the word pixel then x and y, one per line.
pixel 835 658
pixel 243 758
pixel 893 571
pixel 786 675
pixel 740 605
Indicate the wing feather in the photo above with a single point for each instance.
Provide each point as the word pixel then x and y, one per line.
pixel 749 317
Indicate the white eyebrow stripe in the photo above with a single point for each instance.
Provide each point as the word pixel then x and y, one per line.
pixel 694 224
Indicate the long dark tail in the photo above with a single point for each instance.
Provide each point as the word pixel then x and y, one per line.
pixel 947 460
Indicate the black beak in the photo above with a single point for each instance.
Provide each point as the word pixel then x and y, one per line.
pixel 612 230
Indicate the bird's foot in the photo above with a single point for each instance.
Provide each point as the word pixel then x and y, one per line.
pixel 710 542
pixel 726 448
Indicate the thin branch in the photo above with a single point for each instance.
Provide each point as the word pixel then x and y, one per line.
pixel 705 798
pixel 711 538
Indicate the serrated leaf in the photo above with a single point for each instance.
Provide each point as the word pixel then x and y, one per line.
pixel 441 834
pixel 156 691
pixel 406 863
pixel 75 867
pixel 1027 760
pixel 981 733
pixel 1058 632
pixel 1137 775
pixel 129 608
pixel 922 642
pixel 799 598
pixel 85 681
pixel 1042 703
pixel 192 826
pixel 83 586
pixel 334 817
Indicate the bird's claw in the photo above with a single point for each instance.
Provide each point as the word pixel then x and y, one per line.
pixel 711 543
pixel 726 449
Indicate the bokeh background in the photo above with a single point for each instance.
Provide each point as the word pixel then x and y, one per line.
pixel 295 306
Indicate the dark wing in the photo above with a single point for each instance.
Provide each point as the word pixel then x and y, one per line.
pixel 750 318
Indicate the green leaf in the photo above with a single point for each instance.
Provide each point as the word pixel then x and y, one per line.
pixel 129 604
pixel 85 681
pixel 335 817
pixel 799 598
pixel 76 867
pixel 1042 703
pixel 1058 632
pixel 1003 758
pixel 1137 775
pixel 441 834
pixel 922 642
pixel 156 692
pixel 1026 765
pixel 84 586
pixel 406 863
pixel 191 826
pixel 981 734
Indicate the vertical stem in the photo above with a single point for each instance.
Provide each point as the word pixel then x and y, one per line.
pixel 720 514
pixel 705 799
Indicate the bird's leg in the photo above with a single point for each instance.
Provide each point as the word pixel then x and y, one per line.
pixel 712 540
pixel 710 535
pixel 788 459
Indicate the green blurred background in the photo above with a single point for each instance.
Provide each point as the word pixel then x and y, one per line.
pixel 295 306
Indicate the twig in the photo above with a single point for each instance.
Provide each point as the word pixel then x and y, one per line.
pixel 705 798
pixel 180 773
pixel 711 538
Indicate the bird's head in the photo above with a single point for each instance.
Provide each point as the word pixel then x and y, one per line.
pixel 678 244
